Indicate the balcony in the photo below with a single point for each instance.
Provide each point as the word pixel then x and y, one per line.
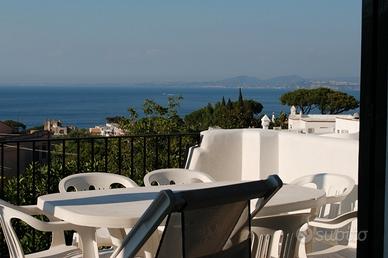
pixel 32 168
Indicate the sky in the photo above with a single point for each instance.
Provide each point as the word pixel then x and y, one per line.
pixel 119 41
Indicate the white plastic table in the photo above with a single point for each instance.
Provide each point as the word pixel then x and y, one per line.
pixel 121 208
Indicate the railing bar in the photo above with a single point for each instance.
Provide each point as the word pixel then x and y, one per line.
pixel 144 155
pixel 63 157
pixel 48 166
pixel 132 158
pixel 2 170
pixel 34 186
pixel 168 151
pixel 109 137
pixel 34 169
pixel 156 153
pixel 106 154
pixel 180 151
pixel 78 156
pixel 119 145
pixel 92 153
pixel 18 173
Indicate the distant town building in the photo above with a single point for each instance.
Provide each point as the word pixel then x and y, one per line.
pixel 55 127
pixel 109 129
pixel 323 124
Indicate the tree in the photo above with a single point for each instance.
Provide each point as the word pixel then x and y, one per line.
pixel 334 102
pixel 114 119
pixel 238 114
pixel 301 98
pixel 326 100
pixel 157 119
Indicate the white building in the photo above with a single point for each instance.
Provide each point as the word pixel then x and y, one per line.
pixel 347 124
pixel 55 127
pixel 323 124
pixel 109 129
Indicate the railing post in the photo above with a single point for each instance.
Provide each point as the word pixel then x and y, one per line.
pixel 48 166
pixel 34 169
pixel 119 154
pixel 168 151
pixel 132 159
pixel 18 173
pixel 180 151
pixel 156 164
pixel 78 156
pixel 144 155
pixel 92 153
pixel 2 170
pixel 63 157
pixel 106 154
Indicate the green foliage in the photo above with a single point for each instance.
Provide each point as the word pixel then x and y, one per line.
pixel 326 100
pixel 157 118
pixel 78 132
pixel 114 119
pixel 301 98
pixel 280 121
pixel 334 102
pixel 238 114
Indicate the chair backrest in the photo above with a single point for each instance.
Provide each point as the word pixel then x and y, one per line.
pixel 266 244
pixel 209 222
pixel 6 214
pixel 175 176
pixel 94 181
pixel 336 186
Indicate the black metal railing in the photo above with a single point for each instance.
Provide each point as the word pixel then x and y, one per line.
pixel 26 165
pixel 33 167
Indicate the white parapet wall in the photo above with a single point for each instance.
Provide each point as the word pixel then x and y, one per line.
pixel 301 155
pixel 246 154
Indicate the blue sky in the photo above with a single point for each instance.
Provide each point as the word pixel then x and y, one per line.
pixel 142 41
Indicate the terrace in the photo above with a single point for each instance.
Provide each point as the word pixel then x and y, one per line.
pixel 373 150
pixel 232 155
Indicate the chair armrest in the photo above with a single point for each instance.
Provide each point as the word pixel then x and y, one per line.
pixel 33 210
pixel 335 223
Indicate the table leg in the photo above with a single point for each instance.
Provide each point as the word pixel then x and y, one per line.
pixel 88 242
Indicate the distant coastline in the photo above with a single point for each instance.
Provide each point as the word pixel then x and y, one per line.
pixel 279 82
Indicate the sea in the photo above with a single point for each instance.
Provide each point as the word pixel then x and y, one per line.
pixel 87 106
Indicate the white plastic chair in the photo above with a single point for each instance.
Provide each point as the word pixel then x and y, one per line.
pixel 95 181
pixel 336 186
pixel 266 242
pixel 171 176
pixel 348 250
pixel 58 247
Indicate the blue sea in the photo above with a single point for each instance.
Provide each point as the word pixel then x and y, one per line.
pixel 87 106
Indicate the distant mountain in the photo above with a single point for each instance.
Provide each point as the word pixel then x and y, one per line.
pixel 286 81
pixel 276 82
pixel 240 81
